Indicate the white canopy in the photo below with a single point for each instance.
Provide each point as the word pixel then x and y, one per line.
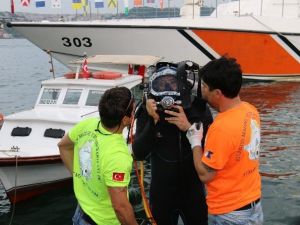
pixel 120 59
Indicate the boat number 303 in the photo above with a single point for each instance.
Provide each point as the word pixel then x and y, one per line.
pixel 77 42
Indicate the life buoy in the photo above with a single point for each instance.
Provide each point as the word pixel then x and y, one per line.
pixel 72 75
pixel 107 75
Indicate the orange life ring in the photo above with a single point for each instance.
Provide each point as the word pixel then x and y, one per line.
pixel 72 75
pixel 107 75
pixel 1 119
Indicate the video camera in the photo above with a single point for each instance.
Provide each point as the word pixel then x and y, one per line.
pixel 171 84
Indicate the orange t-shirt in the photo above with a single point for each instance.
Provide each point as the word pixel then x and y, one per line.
pixel 232 149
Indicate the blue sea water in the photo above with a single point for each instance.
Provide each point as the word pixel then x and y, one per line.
pixel 23 67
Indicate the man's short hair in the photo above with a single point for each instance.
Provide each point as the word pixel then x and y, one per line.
pixel 115 103
pixel 224 74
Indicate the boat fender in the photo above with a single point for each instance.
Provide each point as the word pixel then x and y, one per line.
pixel 108 75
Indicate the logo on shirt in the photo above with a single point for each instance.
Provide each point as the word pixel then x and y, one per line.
pixel 118 176
pixel 254 146
pixel 85 160
pixel 208 154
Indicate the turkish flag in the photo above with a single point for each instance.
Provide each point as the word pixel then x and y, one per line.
pixel 12 6
pixel 118 176
pixel 85 70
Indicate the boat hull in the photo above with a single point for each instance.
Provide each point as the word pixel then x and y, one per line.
pixel 263 53
pixel 25 178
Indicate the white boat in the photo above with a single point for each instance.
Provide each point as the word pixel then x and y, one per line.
pixel 29 156
pixel 264 35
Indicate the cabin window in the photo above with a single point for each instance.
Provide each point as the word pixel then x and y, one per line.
pixel 72 97
pixel 93 98
pixel 49 96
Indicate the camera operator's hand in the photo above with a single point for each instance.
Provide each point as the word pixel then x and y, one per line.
pixel 151 109
pixel 195 134
pixel 178 118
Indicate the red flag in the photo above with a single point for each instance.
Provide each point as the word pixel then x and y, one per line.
pixel 118 176
pixel 161 3
pixel 12 6
pixel 25 2
pixel 84 68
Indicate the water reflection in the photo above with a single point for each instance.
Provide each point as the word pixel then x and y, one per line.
pixel 278 103
pixel 279 106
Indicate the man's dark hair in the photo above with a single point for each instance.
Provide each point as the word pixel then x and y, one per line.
pixel 114 105
pixel 224 74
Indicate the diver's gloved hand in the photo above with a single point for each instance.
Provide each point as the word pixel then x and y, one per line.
pixel 194 134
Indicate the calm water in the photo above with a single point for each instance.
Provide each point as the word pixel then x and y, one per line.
pixel 24 66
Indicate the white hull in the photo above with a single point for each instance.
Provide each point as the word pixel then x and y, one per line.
pixel 264 47
pixel 30 176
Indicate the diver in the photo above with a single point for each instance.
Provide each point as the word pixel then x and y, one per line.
pixel 175 188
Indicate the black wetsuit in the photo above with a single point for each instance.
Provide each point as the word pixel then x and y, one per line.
pixel 175 187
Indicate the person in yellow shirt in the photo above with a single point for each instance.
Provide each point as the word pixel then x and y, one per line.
pixel 229 162
pixel 96 153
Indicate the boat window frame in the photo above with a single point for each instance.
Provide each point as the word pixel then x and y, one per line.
pixel 42 92
pixel 87 96
pixel 65 95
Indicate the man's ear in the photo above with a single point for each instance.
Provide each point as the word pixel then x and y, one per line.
pixel 125 121
pixel 218 92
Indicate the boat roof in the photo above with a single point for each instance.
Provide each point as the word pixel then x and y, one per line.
pixel 125 80
pixel 120 59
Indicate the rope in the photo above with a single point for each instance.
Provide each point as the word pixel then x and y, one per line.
pixel 140 178
pixel 15 193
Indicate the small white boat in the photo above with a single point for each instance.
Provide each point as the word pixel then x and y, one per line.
pixel 29 156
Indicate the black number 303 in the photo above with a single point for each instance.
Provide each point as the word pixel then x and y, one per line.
pixel 77 42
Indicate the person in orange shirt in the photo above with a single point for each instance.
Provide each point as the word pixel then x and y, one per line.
pixel 229 163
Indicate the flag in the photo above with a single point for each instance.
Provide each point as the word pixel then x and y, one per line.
pixel 12 6
pixel 56 4
pixel 150 1
pixel 85 70
pixel 161 3
pixel 112 4
pixel 85 5
pixel 25 2
pixel 99 4
pixel 126 7
pixel 118 176
pixel 76 4
pixel 137 3
pixel 39 3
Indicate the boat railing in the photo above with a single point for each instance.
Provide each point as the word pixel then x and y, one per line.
pixel 200 8
pixel 272 8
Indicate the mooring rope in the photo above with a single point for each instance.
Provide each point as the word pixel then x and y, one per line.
pixel 140 178
pixel 15 192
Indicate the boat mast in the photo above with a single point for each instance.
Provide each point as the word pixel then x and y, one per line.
pixel 51 63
